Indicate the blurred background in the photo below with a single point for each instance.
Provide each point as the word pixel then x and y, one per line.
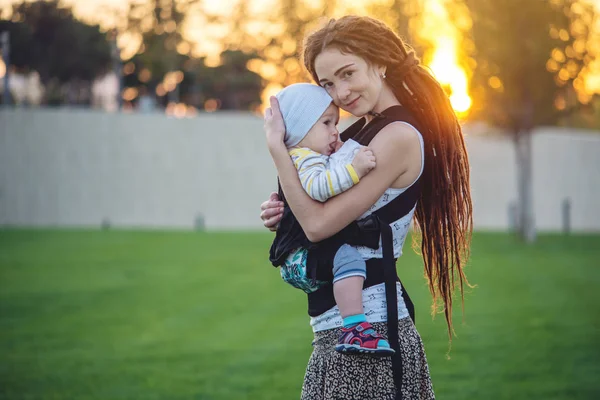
pixel 133 165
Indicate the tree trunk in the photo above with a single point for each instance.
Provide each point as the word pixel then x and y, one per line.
pixel 526 218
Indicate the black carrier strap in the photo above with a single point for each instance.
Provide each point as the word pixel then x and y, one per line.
pixel 387 216
pixel 323 299
pixel 391 298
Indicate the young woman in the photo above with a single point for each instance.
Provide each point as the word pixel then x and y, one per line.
pixel 422 172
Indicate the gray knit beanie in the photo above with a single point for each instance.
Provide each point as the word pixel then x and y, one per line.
pixel 301 105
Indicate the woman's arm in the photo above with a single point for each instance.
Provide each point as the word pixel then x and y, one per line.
pixel 392 148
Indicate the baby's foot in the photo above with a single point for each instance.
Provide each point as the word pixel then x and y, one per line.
pixel 363 339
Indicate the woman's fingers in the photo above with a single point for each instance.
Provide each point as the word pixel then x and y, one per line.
pixel 271 205
pixel 268 113
pixel 274 126
pixel 272 223
pixel 275 111
pixel 270 211
pixel 271 218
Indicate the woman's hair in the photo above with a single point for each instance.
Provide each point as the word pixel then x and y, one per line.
pixel 444 210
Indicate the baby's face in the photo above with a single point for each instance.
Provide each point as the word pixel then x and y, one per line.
pixel 323 137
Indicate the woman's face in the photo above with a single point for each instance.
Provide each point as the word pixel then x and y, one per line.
pixel 354 85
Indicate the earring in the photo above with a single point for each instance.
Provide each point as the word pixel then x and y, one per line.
pixel 383 75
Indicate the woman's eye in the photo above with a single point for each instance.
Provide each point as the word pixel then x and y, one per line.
pixel 327 85
pixel 348 74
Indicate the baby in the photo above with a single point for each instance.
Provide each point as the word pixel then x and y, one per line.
pixel 327 167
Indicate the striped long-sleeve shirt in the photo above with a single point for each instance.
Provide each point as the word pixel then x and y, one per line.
pixel 326 176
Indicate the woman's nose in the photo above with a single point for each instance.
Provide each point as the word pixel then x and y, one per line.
pixel 343 92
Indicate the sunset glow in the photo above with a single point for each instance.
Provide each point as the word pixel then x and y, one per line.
pixel 445 66
pixel 443 34
pixel 444 37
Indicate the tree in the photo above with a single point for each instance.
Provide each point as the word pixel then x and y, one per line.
pixel 46 37
pixel 231 83
pixel 275 38
pixel 164 62
pixel 159 24
pixel 402 17
pixel 277 44
pixel 531 59
pixel 162 48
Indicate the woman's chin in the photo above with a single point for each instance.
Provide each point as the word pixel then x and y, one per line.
pixel 359 113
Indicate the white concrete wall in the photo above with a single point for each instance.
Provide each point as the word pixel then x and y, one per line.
pixel 80 167
pixel 493 180
pixel 567 166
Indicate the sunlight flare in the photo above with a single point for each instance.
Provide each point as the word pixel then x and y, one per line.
pixel 437 29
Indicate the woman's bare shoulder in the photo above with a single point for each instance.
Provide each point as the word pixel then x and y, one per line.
pixel 400 134
pixel 398 147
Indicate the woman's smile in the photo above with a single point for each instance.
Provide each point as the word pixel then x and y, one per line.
pixel 352 103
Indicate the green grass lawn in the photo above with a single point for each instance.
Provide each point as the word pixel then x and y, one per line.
pixel 176 315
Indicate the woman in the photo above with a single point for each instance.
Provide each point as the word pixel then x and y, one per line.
pixel 421 161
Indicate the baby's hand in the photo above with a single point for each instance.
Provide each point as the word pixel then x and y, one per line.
pixel 364 161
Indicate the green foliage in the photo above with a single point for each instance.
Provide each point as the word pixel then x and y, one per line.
pixel 278 45
pixel 160 37
pixel 181 315
pixel 515 43
pixel 398 17
pixel 231 84
pixel 48 39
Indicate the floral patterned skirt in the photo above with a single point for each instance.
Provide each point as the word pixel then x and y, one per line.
pixel 334 376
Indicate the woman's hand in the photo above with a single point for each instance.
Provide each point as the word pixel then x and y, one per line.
pixel 274 126
pixel 271 212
